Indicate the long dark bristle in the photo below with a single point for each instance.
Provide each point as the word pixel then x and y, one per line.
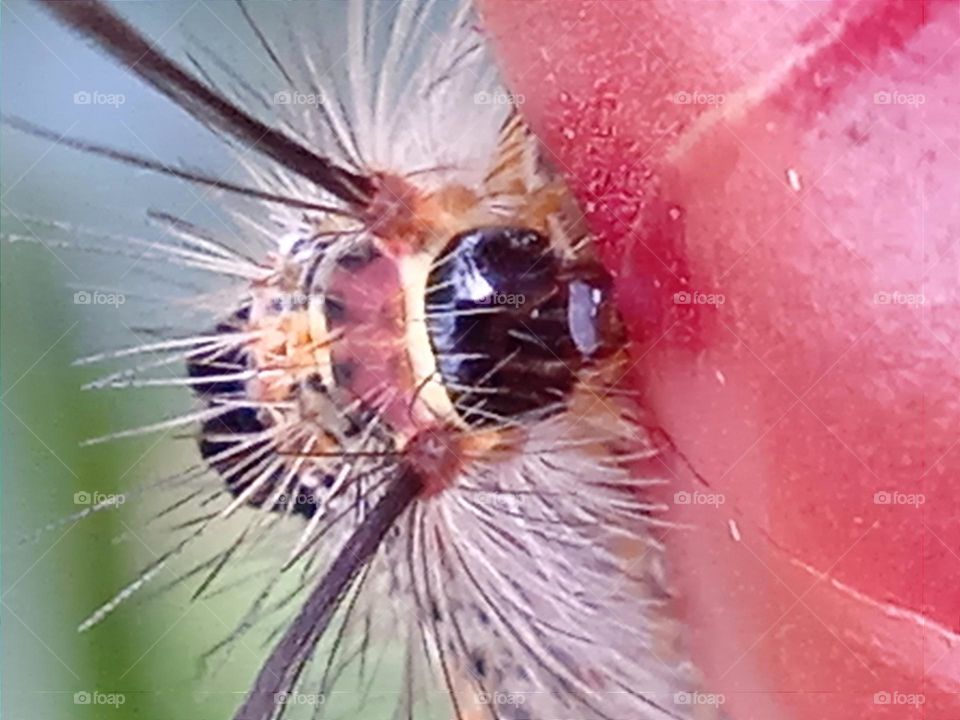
pixel 97 21
pixel 279 674
pixel 143 163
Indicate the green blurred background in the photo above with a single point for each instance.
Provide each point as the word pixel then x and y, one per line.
pixel 149 650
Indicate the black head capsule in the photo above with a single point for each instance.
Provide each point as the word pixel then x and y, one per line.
pixel 512 322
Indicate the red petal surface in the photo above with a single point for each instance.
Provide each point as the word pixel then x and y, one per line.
pixel 775 186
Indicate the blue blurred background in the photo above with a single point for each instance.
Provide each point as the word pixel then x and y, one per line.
pixel 147 654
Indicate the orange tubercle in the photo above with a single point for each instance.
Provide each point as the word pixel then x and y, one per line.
pixel 408 220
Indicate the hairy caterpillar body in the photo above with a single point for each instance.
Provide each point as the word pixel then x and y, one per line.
pixel 421 373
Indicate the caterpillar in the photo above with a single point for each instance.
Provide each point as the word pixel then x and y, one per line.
pixel 420 371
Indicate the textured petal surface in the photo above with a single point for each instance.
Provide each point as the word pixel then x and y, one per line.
pixel 775 185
